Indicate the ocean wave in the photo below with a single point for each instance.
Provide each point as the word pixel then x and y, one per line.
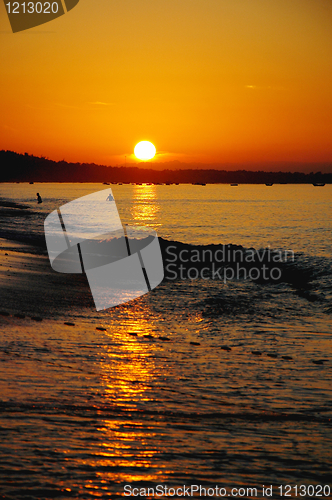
pixel 310 275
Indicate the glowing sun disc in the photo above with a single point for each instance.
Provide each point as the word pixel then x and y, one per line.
pixel 145 150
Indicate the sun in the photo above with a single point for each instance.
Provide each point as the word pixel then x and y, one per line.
pixel 144 150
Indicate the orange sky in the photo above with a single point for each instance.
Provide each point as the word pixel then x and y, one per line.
pixel 228 81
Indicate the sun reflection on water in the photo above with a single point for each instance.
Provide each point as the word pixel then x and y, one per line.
pixel 145 208
pixel 129 368
pixel 127 374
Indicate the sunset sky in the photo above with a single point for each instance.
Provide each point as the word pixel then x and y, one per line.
pixel 207 81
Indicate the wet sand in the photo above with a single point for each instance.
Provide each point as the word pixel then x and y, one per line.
pixel 29 286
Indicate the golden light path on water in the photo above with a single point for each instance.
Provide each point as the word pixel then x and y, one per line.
pixel 144 209
pixel 127 377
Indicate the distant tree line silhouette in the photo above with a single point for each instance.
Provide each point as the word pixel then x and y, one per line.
pixel 17 167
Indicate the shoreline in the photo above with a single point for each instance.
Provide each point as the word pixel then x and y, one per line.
pixel 29 285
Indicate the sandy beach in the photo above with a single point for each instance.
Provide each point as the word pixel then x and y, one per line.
pixel 29 286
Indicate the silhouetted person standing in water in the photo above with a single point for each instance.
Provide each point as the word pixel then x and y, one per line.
pixel 39 200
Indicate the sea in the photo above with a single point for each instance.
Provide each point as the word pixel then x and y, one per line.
pixel 214 384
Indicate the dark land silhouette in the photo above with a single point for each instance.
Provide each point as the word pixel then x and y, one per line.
pixel 17 167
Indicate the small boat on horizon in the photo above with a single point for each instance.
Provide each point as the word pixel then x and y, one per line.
pixel 268 183
pixel 320 184
pixel 234 184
